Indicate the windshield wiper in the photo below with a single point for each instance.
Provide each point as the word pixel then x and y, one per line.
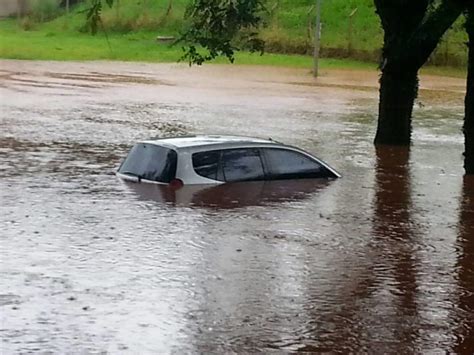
pixel 130 173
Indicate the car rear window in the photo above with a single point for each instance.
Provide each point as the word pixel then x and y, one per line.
pixel 150 162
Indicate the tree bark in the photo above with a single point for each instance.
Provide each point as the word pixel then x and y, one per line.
pixel 426 37
pixel 398 91
pixel 469 102
pixel 409 40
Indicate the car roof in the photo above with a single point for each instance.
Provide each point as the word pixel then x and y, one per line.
pixel 209 140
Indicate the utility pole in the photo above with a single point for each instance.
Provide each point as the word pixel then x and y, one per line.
pixel 351 29
pixel 117 8
pixel 317 38
pixel 21 8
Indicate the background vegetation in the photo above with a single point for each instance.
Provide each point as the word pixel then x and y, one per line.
pixel 132 25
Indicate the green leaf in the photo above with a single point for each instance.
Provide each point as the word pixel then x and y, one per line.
pixel 219 26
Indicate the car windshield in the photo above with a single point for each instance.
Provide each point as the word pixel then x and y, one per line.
pixel 150 162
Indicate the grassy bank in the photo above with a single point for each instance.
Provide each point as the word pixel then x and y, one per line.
pixel 350 28
pixel 133 26
pixel 42 44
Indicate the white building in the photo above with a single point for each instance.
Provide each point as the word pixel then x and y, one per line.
pixel 11 7
pixel 16 7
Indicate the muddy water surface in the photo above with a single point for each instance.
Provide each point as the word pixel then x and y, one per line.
pixel 381 260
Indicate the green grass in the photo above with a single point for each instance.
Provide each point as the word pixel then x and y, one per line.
pixel 294 17
pixel 41 44
pixel 137 46
pixel 133 26
pixel 48 45
pixel 128 16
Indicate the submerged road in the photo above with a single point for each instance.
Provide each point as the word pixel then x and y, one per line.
pixel 380 261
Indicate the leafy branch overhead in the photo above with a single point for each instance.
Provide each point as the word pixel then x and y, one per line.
pixel 219 26
pixel 93 14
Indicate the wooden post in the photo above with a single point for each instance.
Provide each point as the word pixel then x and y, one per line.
pixel 169 9
pixel 117 8
pixel 349 35
pixel 310 22
pixel 317 39
pixel 67 7
pixel 21 8
pixel 18 11
pixel 446 49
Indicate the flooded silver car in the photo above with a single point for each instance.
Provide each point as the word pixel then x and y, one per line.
pixel 380 261
pixel 217 159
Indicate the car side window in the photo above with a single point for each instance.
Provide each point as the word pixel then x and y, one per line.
pixel 242 165
pixel 206 164
pixel 288 164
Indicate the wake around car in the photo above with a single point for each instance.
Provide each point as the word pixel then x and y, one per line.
pixel 217 160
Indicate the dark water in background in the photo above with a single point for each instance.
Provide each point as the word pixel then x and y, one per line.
pixel 381 260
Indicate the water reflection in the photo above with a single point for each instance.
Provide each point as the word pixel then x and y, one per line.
pixel 228 196
pixel 392 194
pixel 377 308
pixel 394 238
pixel 380 261
pixel 465 266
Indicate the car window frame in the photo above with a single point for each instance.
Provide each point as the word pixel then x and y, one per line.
pixel 220 176
pixel 257 149
pixel 271 172
pixel 219 158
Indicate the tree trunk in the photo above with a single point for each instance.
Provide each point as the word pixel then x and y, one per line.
pixel 469 103
pixel 412 32
pixel 398 91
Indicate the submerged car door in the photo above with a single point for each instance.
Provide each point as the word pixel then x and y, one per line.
pixel 284 164
pixel 242 164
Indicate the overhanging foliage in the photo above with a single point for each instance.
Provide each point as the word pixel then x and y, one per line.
pixel 220 28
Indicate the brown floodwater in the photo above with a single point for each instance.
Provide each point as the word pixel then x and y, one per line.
pixel 379 261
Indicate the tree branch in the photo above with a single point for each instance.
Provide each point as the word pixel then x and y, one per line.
pixel 401 17
pixel 219 26
pixel 425 38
